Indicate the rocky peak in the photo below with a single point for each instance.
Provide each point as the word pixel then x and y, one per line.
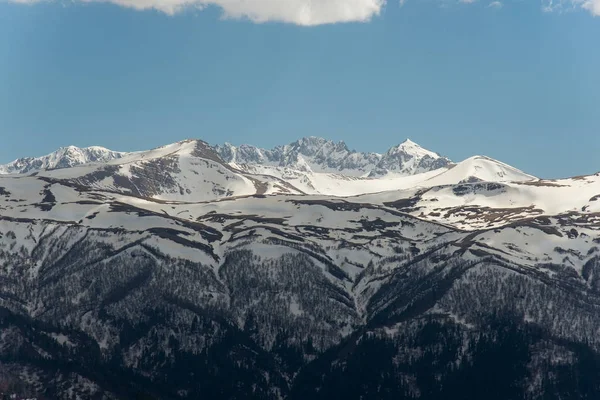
pixel 408 158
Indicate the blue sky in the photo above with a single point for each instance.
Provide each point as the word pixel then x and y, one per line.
pixel 516 83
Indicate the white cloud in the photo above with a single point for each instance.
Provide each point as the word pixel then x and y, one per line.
pixel 306 12
pixel 592 6
pixel 300 12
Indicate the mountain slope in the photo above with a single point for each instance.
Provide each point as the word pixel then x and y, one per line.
pixel 137 296
pixel 480 204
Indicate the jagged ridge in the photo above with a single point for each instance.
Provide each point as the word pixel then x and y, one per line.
pixel 313 154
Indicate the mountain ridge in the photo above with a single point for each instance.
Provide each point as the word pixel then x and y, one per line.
pixel 309 154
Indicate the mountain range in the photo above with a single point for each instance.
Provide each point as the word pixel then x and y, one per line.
pixel 305 271
pixel 310 154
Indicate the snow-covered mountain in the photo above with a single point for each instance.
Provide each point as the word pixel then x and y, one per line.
pixel 189 170
pixel 65 157
pixel 313 154
pixel 408 158
pixel 164 273
pixel 310 154
pixel 192 170
pixel 479 169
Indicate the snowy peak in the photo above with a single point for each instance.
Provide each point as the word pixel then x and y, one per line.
pixel 64 157
pixel 184 148
pixel 480 169
pixel 409 147
pixel 408 158
pixel 489 169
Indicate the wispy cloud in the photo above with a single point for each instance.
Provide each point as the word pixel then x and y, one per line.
pixel 305 12
pixel 592 6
